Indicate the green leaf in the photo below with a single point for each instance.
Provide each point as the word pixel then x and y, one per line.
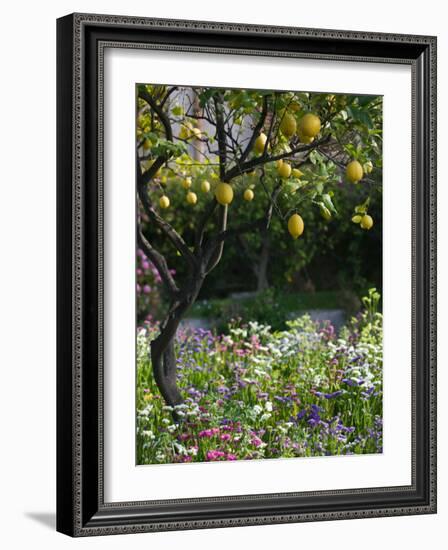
pixel 326 198
pixel 363 100
pixel 360 116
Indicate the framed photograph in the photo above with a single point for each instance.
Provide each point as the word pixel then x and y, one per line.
pixel 246 274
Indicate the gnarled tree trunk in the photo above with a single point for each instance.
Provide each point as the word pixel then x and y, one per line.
pixel 163 356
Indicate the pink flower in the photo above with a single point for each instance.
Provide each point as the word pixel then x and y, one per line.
pixel 230 456
pixel 146 289
pixel 225 437
pixel 215 455
pixel 256 441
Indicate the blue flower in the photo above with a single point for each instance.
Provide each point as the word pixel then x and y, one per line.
pixel 334 394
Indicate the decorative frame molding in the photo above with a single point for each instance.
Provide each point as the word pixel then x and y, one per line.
pixel 81 42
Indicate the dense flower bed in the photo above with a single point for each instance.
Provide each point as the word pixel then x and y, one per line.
pixel 256 394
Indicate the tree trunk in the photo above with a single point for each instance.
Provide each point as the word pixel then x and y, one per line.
pixel 163 356
pixel 262 268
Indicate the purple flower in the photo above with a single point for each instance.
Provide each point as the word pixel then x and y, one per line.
pixel 333 395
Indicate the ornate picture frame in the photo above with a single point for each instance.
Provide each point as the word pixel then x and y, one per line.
pixel 81 507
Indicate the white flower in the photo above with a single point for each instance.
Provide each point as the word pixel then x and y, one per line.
pixel 257 409
pixel 149 434
pixel 268 406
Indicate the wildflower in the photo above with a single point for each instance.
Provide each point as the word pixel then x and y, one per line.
pixel 333 395
pixel 215 455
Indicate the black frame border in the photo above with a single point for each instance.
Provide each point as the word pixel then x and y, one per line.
pixel 81 39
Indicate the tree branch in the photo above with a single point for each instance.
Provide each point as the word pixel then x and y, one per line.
pixel 220 135
pixel 160 263
pixel 143 94
pixel 162 224
pixel 257 161
pixel 256 131
pixel 215 258
pixel 217 241
pixel 208 212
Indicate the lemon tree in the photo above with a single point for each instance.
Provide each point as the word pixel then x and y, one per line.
pixel 204 155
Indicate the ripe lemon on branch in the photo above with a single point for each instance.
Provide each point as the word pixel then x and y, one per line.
pixel 164 201
pixel 309 125
pixel 284 169
pixel 248 195
pixel 260 143
pixel 186 183
pixel 354 171
pixel 295 226
pixel 224 193
pixel 205 186
pixel 192 198
pixel 366 222
pixel 288 125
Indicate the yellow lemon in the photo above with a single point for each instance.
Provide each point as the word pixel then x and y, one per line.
pixel 357 218
pixel 354 171
pixel 366 221
pixel 295 226
pixel 192 198
pixel 147 144
pixel 248 195
pixel 164 201
pixel 297 173
pixel 186 183
pixel 224 193
pixel 196 132
pixel 163 180
pixel 205 186
pixel 279 163
pixel 284 170
pixel 288 125
pixel 303 138
pixel 310 125
pixel 260 143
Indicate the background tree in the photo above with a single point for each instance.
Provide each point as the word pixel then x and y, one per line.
pixel 230 163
